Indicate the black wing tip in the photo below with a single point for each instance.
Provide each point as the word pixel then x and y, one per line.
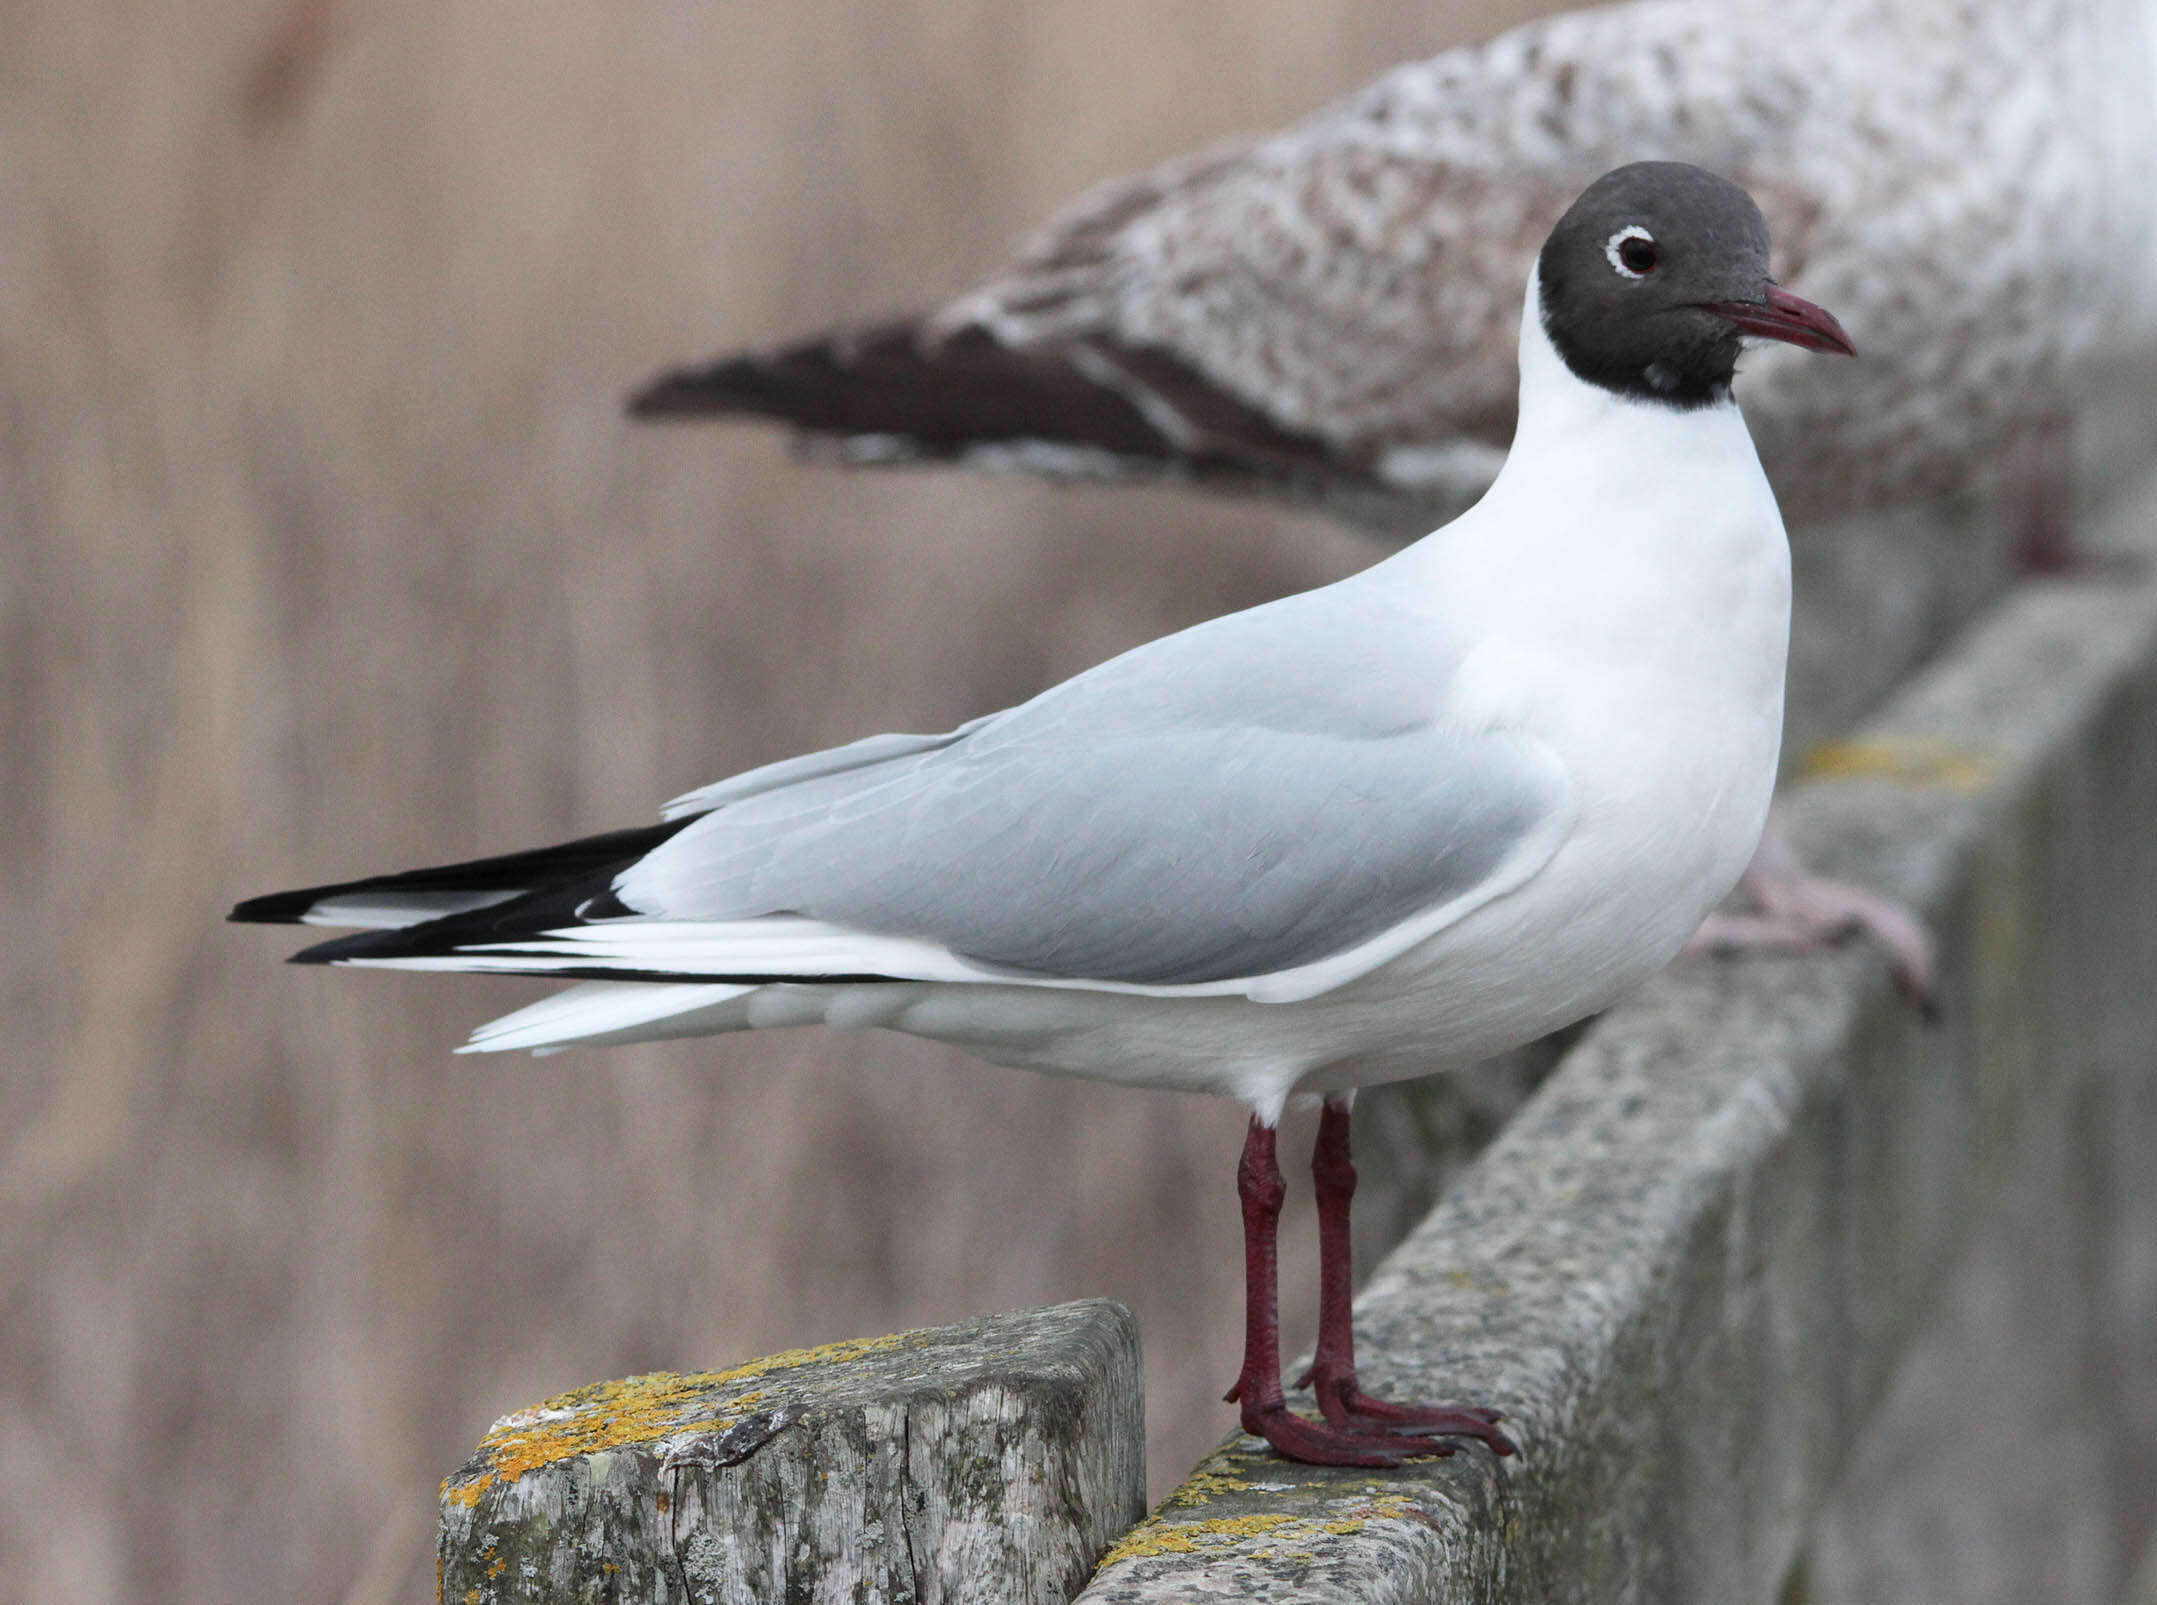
pixel 392 943
pixel 276 908
pixel 821 382
pixel 940 397
pixel 902 393
pixel 728 386
pixel 510 875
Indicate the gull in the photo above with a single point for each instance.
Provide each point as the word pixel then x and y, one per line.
pixel 1330 312
pixel 1387 827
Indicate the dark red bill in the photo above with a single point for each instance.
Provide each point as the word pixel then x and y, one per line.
pixel 1786 317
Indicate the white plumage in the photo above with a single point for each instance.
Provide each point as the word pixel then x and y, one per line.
pixel 1610 621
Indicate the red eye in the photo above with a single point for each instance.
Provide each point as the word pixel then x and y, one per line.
pixel 1639 255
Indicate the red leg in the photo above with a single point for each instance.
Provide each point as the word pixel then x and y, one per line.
pixel 1258 1389
pixel 1332 1375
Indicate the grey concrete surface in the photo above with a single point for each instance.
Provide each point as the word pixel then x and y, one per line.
pixel 1693 1268
pixel 990 1461
pixel 2015 1457
pixel 2143 1590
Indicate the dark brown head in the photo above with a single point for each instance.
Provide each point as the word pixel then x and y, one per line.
pixel 1653 278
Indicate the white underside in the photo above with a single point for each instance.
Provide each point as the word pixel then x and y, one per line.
pixel 1627 582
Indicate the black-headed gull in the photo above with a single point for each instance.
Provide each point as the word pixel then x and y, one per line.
pixel 1330 312
pixel 1387 827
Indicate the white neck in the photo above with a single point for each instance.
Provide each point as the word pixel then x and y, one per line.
pixel 1565 420
pixel 1629 545
pixel 1596 477
pixel 1622 594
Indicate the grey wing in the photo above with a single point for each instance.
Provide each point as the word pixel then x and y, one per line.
pixel 1132 827
pixel 865 753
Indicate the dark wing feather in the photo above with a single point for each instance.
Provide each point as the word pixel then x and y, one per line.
pixel 899 392
pixel 496 879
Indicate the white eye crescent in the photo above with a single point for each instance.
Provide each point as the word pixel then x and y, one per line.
pixel 1633 251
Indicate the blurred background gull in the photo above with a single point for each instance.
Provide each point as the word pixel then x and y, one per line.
pixel 327 545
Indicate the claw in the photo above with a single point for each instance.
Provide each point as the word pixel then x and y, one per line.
pixel 1327 1444
pixel 1348 1406
pixel 1800 912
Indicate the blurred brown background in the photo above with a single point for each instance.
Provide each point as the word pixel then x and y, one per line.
pixel 327 550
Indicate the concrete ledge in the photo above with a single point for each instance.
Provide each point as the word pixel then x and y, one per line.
pixel 1690 1266
pixel 994 1460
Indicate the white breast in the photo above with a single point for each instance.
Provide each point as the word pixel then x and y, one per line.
pixel 1627 584
pixel 1628 579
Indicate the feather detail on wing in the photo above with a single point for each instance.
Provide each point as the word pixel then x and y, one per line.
pixel 1329 312
pixel 1266 805
pixel 611 1013
pixel 391 902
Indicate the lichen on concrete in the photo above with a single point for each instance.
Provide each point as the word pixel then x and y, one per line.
pixel 1006 1454
pixel 646 1410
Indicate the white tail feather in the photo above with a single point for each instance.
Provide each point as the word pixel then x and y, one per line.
pixel 606 1013
pixel 393 911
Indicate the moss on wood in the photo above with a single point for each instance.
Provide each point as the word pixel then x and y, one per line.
pixel 994 1460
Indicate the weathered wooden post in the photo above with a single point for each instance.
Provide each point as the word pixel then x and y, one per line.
pixel 996 1460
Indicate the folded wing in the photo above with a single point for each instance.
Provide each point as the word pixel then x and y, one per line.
pixel 1265 795
pixel 1329 311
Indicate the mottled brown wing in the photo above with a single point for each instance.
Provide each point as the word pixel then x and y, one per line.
pixel 1333 309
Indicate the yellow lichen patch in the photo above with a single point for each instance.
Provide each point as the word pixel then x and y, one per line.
pixel 822 1354
pixel 1381 1506
pixel 1929 762
pixel 1478 1282
pixel 1157 1537
pixel 1385 1507
pixel 1160 1535
pixel 1200 1487
pixel 605 1415
pixel 640 1409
